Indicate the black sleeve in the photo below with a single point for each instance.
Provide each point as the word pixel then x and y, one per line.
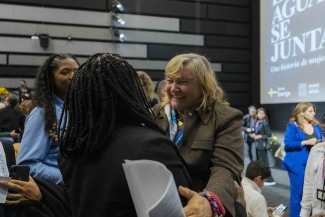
pixel 164 151
pixel 22 119
pixel 240 210
pixel 245 125
pixel 267 130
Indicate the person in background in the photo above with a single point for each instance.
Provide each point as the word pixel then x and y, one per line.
pixel 11 120
pixel 160 90
pixel 147 85
pixel 33 197
pixel 3 96
pixel 9 136
pixel 24 91
pixel 248 129
pixel 26 107
pixel 261 134
pixel 313 198
pixel 302 133
pixel 206 130
pixel 106 114
pixel 257 174
pixel 39 145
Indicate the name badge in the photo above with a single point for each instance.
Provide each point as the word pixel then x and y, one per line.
pixel 321 195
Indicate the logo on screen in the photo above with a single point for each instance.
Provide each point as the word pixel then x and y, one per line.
pixel 302 89
pixel 313 88
pixel 272 92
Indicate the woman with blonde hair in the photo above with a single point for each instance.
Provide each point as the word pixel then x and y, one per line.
pixel 147 85
pixel 3 96
pixel 26 107
pixel 206 130
pixel 303 132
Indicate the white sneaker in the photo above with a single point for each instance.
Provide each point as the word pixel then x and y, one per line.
pixel 269 183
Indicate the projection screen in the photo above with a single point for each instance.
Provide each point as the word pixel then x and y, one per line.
pixel 292 51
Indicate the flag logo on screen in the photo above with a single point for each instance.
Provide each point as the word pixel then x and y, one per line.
pixel 302 89
pixel 272 92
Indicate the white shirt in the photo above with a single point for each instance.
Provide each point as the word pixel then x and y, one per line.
pixel 313 181
pixel 255 201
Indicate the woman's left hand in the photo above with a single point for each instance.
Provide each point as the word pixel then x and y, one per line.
pixel 24 191
pixel 256 137
pixel 197 205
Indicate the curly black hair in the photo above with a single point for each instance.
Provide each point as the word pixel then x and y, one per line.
pixel 44 89
pixel 104 92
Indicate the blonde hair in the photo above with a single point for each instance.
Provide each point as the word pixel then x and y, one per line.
pixel 25 105
pixel 147 84
pixel 4 91
pixel 297 117
pixel 203 75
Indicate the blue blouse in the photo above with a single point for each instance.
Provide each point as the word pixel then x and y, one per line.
pixel 37 149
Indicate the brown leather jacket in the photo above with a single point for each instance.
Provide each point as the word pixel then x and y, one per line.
pixel 213 147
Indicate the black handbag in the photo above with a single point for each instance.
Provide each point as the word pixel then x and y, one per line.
pixel 268 145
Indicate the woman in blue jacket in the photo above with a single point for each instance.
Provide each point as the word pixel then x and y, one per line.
pixel 39 146
pixel 303 132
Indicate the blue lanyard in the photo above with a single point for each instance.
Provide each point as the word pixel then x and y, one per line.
pixel 179 136
pixel 174 116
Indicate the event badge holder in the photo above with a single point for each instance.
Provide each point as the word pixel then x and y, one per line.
pixel 4 175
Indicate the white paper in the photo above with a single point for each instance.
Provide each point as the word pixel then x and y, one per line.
pixel 3 190
pixel 4 174
pixel 3 163
pixel 153 189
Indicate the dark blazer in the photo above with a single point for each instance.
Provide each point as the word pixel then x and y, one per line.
pixel 213 148
pixel 247 124
pixel 265 131
pixel 98 187
pixel 10 120
pixel 25 96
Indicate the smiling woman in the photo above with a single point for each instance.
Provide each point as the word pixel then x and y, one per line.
pixel 39 146
pixel 205 129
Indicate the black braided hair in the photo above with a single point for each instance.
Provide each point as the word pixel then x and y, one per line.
pixel 44 88
pixel 104 92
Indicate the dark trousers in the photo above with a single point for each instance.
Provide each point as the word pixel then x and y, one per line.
pixel 262 156
pixel 251 148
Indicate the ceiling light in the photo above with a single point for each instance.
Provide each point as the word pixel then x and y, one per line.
pixel 118 19
pixel 120 35
pixel 116 5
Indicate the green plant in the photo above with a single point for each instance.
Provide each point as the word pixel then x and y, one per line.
pixel 273 140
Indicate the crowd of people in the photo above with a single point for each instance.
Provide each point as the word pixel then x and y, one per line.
pixel 304 158
pixel 80 122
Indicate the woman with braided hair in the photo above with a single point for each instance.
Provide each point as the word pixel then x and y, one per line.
pixel 107 120
pixel 39 146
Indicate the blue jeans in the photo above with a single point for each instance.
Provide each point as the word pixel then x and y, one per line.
pixel 7 139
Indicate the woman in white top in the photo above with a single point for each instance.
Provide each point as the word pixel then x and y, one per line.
pixel 314 183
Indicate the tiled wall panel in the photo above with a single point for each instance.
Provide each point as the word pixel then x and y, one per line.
pixel 155 30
